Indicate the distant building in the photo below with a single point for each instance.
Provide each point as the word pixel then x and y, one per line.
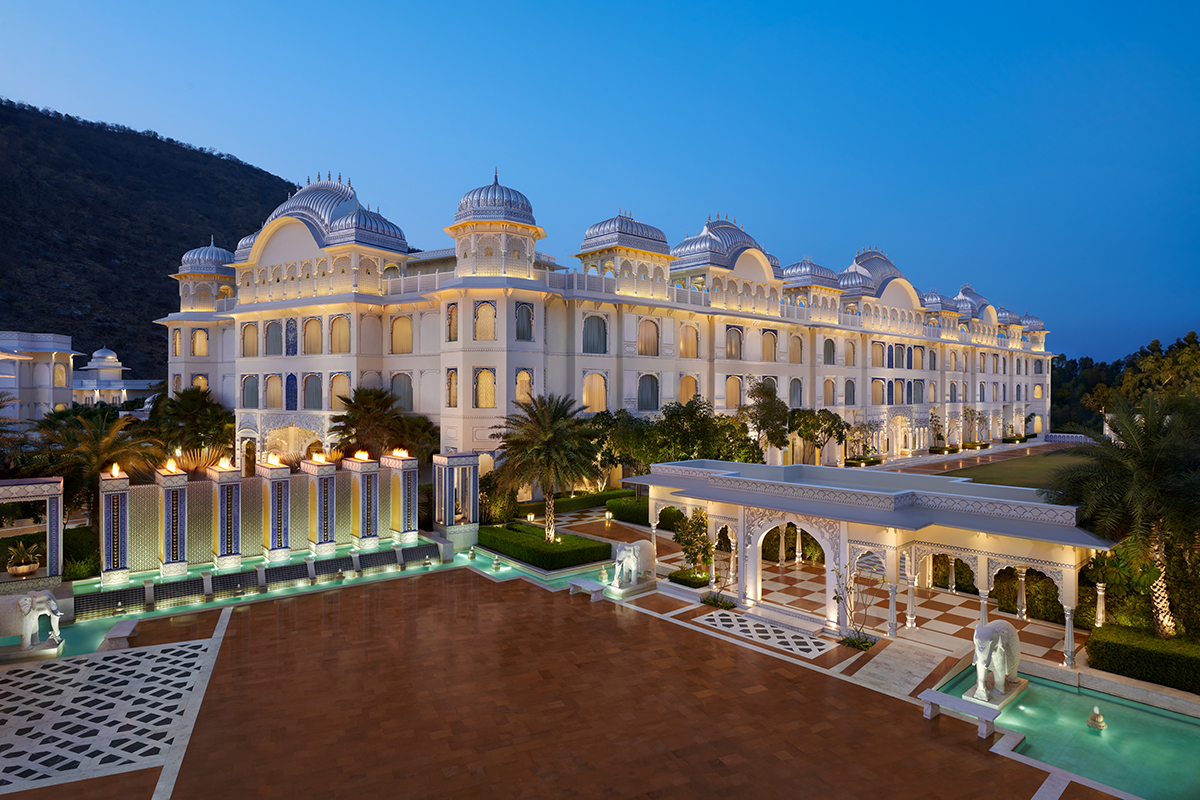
pixel 101 381
pixel 36 369
pixel 328 296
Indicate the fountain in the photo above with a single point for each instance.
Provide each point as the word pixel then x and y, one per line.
pixel 496 564
pixel 1096 720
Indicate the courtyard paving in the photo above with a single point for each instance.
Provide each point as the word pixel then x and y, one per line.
pixel 451 684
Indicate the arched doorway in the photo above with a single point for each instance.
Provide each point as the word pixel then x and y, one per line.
pixel 791 569
pixel 248 458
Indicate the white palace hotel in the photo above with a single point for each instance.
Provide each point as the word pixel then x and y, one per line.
pixel 328 296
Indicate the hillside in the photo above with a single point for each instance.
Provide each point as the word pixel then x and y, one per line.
pixel 94 219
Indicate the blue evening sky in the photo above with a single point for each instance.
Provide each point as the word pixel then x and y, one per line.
pixel 1047 154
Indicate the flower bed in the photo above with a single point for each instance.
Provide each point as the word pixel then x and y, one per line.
pixel 528 544
pixel 689 578
pixel 860 461
pixel 1013 439
pixel 940 451
pixel 976 445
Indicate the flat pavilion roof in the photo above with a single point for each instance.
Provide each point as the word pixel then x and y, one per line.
pixel 871 497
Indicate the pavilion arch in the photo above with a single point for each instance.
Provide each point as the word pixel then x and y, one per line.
pixel 826 532
pixel 752 265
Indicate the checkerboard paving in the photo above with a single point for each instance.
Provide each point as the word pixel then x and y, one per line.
pixel 790 641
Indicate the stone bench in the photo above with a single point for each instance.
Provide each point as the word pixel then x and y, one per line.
pixel 596 590
pixel 934 701
pixel 118 635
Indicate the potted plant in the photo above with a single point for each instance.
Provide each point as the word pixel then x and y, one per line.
pixel 22 560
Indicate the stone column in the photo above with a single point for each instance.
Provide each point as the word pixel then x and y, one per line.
pixel 891 610
pixel 364 500
pixel 1069 642
pixel 276 508
pixel 983 598
pixel 172 521
pixel 322 507
pixel 950 582
pixel 1100 587
pixel 653 558
pixel 403 469
pixel 227 516
pixel 114 528
pixel 1022 611
pixel 910 613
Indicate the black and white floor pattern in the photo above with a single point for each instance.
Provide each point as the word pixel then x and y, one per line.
pixel 796 643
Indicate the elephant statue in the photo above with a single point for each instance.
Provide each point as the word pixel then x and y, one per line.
pixel 998 649
pixel 22 613
pixel 628 564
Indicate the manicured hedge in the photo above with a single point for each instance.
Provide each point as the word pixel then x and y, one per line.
pixel 637 511
pixel 1139 653
pixel 941 451
pixel 567 503
pixel 689 578
pixel 863 462
pixel 528 544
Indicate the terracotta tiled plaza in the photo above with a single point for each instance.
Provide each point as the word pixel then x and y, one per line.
pixel 449 685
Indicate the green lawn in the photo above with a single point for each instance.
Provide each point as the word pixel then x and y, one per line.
pixel 1031 471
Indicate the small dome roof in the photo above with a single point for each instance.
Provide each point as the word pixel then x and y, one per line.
pixel 369 227
pixel 1006 317
pixel 207 256
pixel 856 281
pixel 495 202
pixel 935 301
pixel 719 243
pixel 104 354
pixel 623 230
pixel 879 266
pixel 1033 323
pixel 324 201
pixel 970 302
pixel 806 273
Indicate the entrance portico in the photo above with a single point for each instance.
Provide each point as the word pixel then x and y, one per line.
pixel 890 522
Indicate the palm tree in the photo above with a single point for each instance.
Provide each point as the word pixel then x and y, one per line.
pixel 419 436
pixel 369 421
pixel 194 420
pixel 546 444
pixel 1140 484
pixel 86 446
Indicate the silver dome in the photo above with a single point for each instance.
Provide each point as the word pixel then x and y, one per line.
pixel 935 301
pixel 1033 323
pixel 367 227
pixel 856 282
pixel 807 273
pixel 719 244
pixel 208 259
pixel 880 267
pixel 104 354
pixel 623 231
pixel 1006 317
pixel 495 202
pixel 970 302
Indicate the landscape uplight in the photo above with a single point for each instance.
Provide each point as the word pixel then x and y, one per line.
pixel 529 516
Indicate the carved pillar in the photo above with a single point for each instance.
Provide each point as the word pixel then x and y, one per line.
pixel 1069 643
pixel 364 502
pixel 403 475
pixel 983 597
pixel 114 526
pixel 54 533
pixel 172 522
pixel 276 506
pixel 322 507
pixel 1100 587
pixel 891 611
pixel 1022 611
pixel 910 613
pixel 227 516
pixel 456 501
pixel 950 582
pixel 654 550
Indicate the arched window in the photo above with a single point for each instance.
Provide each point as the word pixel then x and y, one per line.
pixel 200 342
pixel 891 357
pixel 933 359
pixel 908 393
pixel 198 382
pixel 1037 391
pixel 176 342
pixel 689 342
pixel 995 364
pixel 402 390
pixel 733 344
pixel 60 374
pixel 401 335
pixel 452 388
pixel 850 399
pixel 1018 362
pixel 982 362
pixel 595 335
pixel 953 392
pixel 918 392
pixel 647 338
pixel 595 392
pixel 647 398
pixel 274 392
pixel 1018 387
pixel 273 339
pixel 524 391
pixel 687 388
pixel 908 358
pixel 918 357
pixel 1004 366
pixel 877 393
pixel 249 391
pixel 795 350
pixel 891 393
pixel 339 387
pixel 312 393
pixel 250 342
pixel 830 352
pixel 953 361
pixel 769 345
pixel 485 388
pixel 795 393
pixel 452 322
pixel 830 393
pixel 524 322
pixel 1037 367
pixel 339 335
pixel 850 354
pixel 312 339
pixel 982 396
pixel 733 391
pixel 877 354
pixel 485 321
pixel 178 384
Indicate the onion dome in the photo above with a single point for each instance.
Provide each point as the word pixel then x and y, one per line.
pixel 624 231
pixel 806 273
pixel 855 281
pixel 1006 317
pixel 209 259
pixel 970 302
pixel 1033 323
pixel 719 244
pixel 104 354
pixel 495 202
pixel 104 359
pixel 367 227
pixel 878 266
pixel 935 301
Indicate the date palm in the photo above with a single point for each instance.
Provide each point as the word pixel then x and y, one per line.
pixel 1140 484
pixel 369 421
pixel 546 444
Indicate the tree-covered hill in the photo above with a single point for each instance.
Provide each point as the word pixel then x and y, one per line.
pixel 94 218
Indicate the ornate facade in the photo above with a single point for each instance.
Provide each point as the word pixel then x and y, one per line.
pixel 328 296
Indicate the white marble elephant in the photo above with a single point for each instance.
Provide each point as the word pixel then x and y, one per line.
pixel 998 649
pixel 628 564
pixel 19 614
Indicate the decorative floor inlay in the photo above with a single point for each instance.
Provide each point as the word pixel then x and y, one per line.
pixel 111 712
pixel 797 643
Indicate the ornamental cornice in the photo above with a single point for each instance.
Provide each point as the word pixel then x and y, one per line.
pixel 819 494
pixel 1026 512
pixel 40 490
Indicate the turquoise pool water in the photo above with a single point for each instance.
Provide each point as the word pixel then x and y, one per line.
pixel 1145 751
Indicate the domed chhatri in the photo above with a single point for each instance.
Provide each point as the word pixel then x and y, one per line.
pixel 1032 323
pixel 495 202
pixel 807 273
pixel 104 354
pixel 719 243
pixel 625 231
pixel 209 258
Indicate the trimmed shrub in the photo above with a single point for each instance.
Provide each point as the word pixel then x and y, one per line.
pixel 637 511
pixel 941 451
pixel 689 578
pixel 564 502
pixel 496 505
pixel 528 544
pixel 862 461
pixel 1139 653
pixel 717 600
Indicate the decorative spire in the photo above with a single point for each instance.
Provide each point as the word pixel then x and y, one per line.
pixel 307 180
pixel 339 177
pixel 350 183
pixel 212 240
pixel 328 175
pixel 495 176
